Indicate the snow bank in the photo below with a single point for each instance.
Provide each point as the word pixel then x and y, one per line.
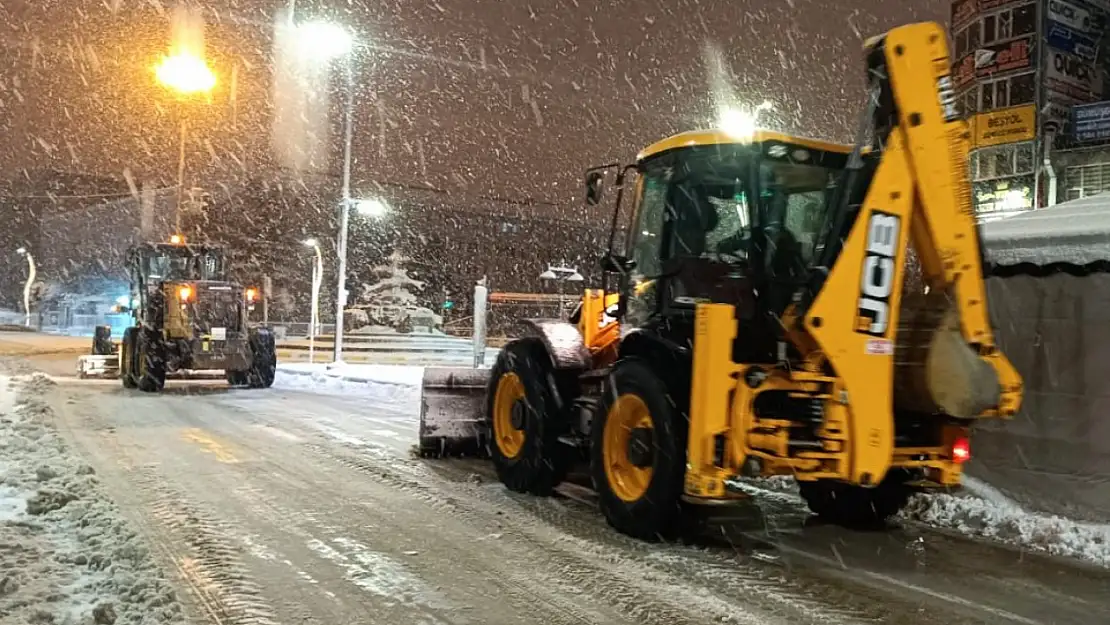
pixel 1005 522
pixel 385 383
pixel 980 512
pixel 67 554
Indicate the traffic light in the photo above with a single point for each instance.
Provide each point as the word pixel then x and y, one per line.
pixel 448 305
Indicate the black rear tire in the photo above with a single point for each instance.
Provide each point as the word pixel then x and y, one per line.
pixel 856 506
pixel 263 348
pixel 127 365
pixel 236 378
pixel 541 461
pixel 656 512
pixel 150 358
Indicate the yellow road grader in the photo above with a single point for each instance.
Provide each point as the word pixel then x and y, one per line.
pixel 783 306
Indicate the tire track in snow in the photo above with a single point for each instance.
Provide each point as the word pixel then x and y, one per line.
pixel 191 540
pixel 628 576
pixel 201 549
pixel 515 585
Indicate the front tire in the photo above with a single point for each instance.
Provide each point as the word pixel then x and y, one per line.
pixel 263 348
pixel 150 358
pixel 638 454
pixel 856 506
pixel 128 372
pixel 525 416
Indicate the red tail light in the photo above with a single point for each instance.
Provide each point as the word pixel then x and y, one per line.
pixel 961 450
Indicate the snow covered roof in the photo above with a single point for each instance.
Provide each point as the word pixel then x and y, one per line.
pixel 1075 232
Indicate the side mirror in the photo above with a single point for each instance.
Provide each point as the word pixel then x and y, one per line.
pixel 594 182
pixel 615 263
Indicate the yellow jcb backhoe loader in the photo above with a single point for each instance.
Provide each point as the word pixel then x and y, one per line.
pixel 770 319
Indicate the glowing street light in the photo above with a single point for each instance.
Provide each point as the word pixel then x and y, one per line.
pixel 323 40
pixel 372 207
pixel 185 73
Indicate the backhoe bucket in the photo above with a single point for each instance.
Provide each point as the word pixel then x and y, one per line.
pixel 452 412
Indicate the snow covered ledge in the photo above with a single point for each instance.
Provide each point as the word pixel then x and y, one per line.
pixel 1075 233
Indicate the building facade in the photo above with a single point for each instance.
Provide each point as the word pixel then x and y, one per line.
pixel 1023 69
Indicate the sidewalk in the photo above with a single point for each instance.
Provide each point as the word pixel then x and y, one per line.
pixel 35 343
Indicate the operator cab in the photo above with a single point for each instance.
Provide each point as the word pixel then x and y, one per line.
pixel 717 219
pixel 169 262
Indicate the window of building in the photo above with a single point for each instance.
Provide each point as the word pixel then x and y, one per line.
pixel 1003 92
pixel 970 101
pixel 996 27
pixel 990 29
pixel 1022 88
pixel 1002 161
pixel 1085 180
pixel 959 45
pixel 1024 19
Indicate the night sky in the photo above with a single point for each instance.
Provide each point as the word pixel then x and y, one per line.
pixel 512 98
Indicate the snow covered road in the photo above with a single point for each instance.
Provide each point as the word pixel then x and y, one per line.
pixel 289 506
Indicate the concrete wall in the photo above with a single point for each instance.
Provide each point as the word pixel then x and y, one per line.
pixel 1054 456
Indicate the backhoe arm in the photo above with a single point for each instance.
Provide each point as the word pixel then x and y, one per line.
pixel 919 192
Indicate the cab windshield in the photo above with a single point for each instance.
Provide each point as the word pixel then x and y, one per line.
pixel 703 202
pixel 177 263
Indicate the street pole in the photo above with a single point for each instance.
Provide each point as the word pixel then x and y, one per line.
pixel 267 286
pixel 345 215
pixel 317 280
pixel 180 176
pixel 27 289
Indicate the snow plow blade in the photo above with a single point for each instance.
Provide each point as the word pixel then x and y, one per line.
pixel 97 366
pixel 452 407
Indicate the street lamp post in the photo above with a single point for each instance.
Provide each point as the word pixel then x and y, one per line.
pixel 325 42
pixel 27 285
pixel 185 73
pixel 317 279
pixel 345 217
pixel 559 275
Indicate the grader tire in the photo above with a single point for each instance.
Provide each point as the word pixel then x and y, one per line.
pixel 150 360
pixel 127 365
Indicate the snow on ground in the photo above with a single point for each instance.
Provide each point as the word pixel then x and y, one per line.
pixel 980 511
pixel 67 554
pixel 394 384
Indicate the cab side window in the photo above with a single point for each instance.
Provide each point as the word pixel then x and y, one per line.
pixel 647 236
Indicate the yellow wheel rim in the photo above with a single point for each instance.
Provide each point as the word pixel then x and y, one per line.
pixel 627 481
pixel 510 391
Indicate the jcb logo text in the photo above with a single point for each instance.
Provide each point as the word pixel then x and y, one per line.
pixel 880 265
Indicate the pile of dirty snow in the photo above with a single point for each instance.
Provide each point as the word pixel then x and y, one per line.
pixel 67 555
pixel 1008 523
pixel 982 513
